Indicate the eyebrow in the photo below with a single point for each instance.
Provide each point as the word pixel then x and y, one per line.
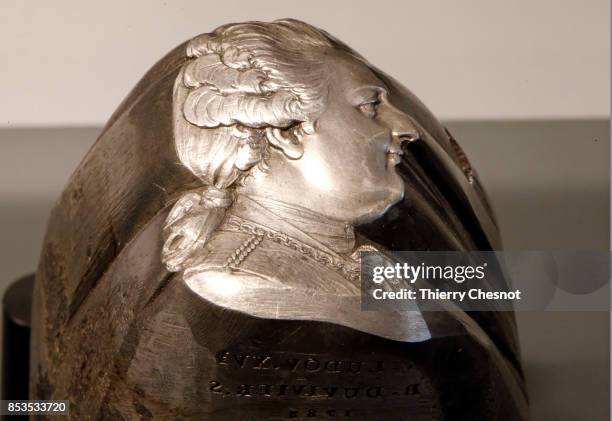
pixel 368 91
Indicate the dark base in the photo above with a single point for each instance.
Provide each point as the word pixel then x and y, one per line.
pixel 17 307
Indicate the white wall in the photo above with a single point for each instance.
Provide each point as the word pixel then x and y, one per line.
pixel 71 62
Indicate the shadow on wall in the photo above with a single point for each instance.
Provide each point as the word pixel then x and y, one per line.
pixel 548 180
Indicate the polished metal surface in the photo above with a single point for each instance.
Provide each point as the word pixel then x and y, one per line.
pixel 203 262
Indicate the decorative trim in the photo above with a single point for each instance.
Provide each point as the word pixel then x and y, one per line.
pixel 349 268
pixel 243 251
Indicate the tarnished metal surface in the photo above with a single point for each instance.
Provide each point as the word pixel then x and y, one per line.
pixel 202 262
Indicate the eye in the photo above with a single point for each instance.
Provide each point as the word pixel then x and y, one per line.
pixel 369 108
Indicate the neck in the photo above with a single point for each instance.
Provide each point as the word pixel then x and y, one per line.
pixel 337 236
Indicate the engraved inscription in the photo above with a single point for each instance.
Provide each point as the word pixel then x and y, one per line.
pixel 251 361
pixel 314 413
pixel 318 386
pixel 309 390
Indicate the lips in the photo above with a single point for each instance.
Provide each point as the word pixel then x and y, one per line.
pixel 394 156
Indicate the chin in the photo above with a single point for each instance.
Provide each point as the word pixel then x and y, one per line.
pixel 395 194
pixel 380 204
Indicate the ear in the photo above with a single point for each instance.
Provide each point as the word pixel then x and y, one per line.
pixel 286 141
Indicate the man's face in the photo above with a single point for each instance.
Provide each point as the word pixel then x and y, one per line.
pixel 349 163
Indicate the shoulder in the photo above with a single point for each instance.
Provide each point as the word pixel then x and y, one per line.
pixel 270 261
pixel 272 280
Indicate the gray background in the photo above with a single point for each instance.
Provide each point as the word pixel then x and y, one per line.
pixel 548 181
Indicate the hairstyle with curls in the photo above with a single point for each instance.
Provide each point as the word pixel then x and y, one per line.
pixel 246 87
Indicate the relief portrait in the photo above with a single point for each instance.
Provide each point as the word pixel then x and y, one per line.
pixel 203 261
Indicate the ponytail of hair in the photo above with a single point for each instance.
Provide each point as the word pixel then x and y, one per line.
pixel 191 222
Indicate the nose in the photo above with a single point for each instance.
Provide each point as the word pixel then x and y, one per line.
pixel 403 128
pixel 406 135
